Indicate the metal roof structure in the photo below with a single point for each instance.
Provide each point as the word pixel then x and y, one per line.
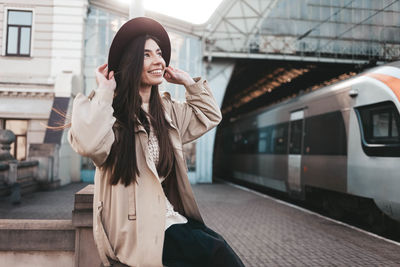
pixel 348 31
pixel 282 48
pixel 255 84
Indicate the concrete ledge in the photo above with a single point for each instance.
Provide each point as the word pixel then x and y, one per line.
pixel 39 259
pixel 37 235
pixel 12 224
pixel 82 215
pixel 82 219
pixel 52 242
pixel 84 198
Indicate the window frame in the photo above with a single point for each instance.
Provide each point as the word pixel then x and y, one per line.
pixel 280 147
pixel 379 139
pixel 295 137
pixel 5 32
pixel 375 148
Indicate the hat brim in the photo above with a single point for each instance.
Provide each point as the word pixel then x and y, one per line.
pixel 132 29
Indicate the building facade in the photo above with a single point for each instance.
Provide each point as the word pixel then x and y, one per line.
pixel 41 67
pixel 49 51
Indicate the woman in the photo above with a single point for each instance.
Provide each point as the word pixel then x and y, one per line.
pixel 144 209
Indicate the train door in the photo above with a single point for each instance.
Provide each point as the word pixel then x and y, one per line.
pixel 295 146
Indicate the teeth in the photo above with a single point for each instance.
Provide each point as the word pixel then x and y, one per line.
pixel 156 72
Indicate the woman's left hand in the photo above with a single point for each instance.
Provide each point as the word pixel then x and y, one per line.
pixel 177 76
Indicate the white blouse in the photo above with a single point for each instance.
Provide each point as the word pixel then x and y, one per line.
pixel 172 217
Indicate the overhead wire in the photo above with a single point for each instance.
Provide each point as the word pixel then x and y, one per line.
pixel 357 24
pixel 324 21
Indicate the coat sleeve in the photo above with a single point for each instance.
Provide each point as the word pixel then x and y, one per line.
pixel 199 114
pixel 91 134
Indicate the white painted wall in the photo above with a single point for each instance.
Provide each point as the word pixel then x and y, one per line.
pixel 28 85
pixel 57 44
pixel 67 39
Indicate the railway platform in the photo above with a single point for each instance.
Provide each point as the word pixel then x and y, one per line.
pixel 262 230
pixel 269 232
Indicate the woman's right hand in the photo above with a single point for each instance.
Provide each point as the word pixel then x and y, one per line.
pixel 102 80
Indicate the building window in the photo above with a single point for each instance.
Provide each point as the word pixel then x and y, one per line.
pixel 20 129
pixel 19 31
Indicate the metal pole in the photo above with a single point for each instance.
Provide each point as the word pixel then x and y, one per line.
pixel 136 9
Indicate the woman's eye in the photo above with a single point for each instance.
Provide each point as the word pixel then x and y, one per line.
pixel 146 54
pixel 160 54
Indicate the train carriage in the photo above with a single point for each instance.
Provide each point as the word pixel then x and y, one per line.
pixel 343 138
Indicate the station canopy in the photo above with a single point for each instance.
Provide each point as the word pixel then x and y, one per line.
pixel 283 48
pixel 329 30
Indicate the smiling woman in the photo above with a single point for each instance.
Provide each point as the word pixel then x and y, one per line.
pixel 196 12
pixel 144 209
pixel 153 64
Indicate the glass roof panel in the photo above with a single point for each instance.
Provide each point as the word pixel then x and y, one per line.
pixel 195 12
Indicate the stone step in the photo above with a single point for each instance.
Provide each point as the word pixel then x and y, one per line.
pixel 37 235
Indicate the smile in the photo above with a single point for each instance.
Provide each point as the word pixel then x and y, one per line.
pixel 157 72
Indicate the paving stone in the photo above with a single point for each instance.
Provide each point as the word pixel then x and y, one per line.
pixel 263 232
pixel 47 205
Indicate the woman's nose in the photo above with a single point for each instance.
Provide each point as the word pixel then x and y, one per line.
pixel 158 60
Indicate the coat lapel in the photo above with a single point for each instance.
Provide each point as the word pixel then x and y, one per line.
pixel 182 185
pixel 143 142
pixel 143 137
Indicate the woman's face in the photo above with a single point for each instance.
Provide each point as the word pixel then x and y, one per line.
pixel 153 65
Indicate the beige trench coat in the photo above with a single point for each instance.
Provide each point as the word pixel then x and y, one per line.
pixel 129 222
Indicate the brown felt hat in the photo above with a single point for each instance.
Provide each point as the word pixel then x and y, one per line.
pixel 132 29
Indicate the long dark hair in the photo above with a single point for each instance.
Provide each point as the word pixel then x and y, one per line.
pixel 127 110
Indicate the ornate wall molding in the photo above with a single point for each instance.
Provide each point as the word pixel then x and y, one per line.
pixel 26 93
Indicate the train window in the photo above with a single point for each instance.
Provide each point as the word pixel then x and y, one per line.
pixel 245 142
pixel 296 134
pixel 325 135
pixel 395 127
pixel 264 137
pixel 384 125
pixel 262 146
pixel 380 123
pixel 272 139
pixel 279 139
pixel 250 142
pixel 237 142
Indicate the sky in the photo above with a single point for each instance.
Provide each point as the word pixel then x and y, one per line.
pixel 193 11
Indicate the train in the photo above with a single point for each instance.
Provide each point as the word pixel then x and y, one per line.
pixel 341 141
